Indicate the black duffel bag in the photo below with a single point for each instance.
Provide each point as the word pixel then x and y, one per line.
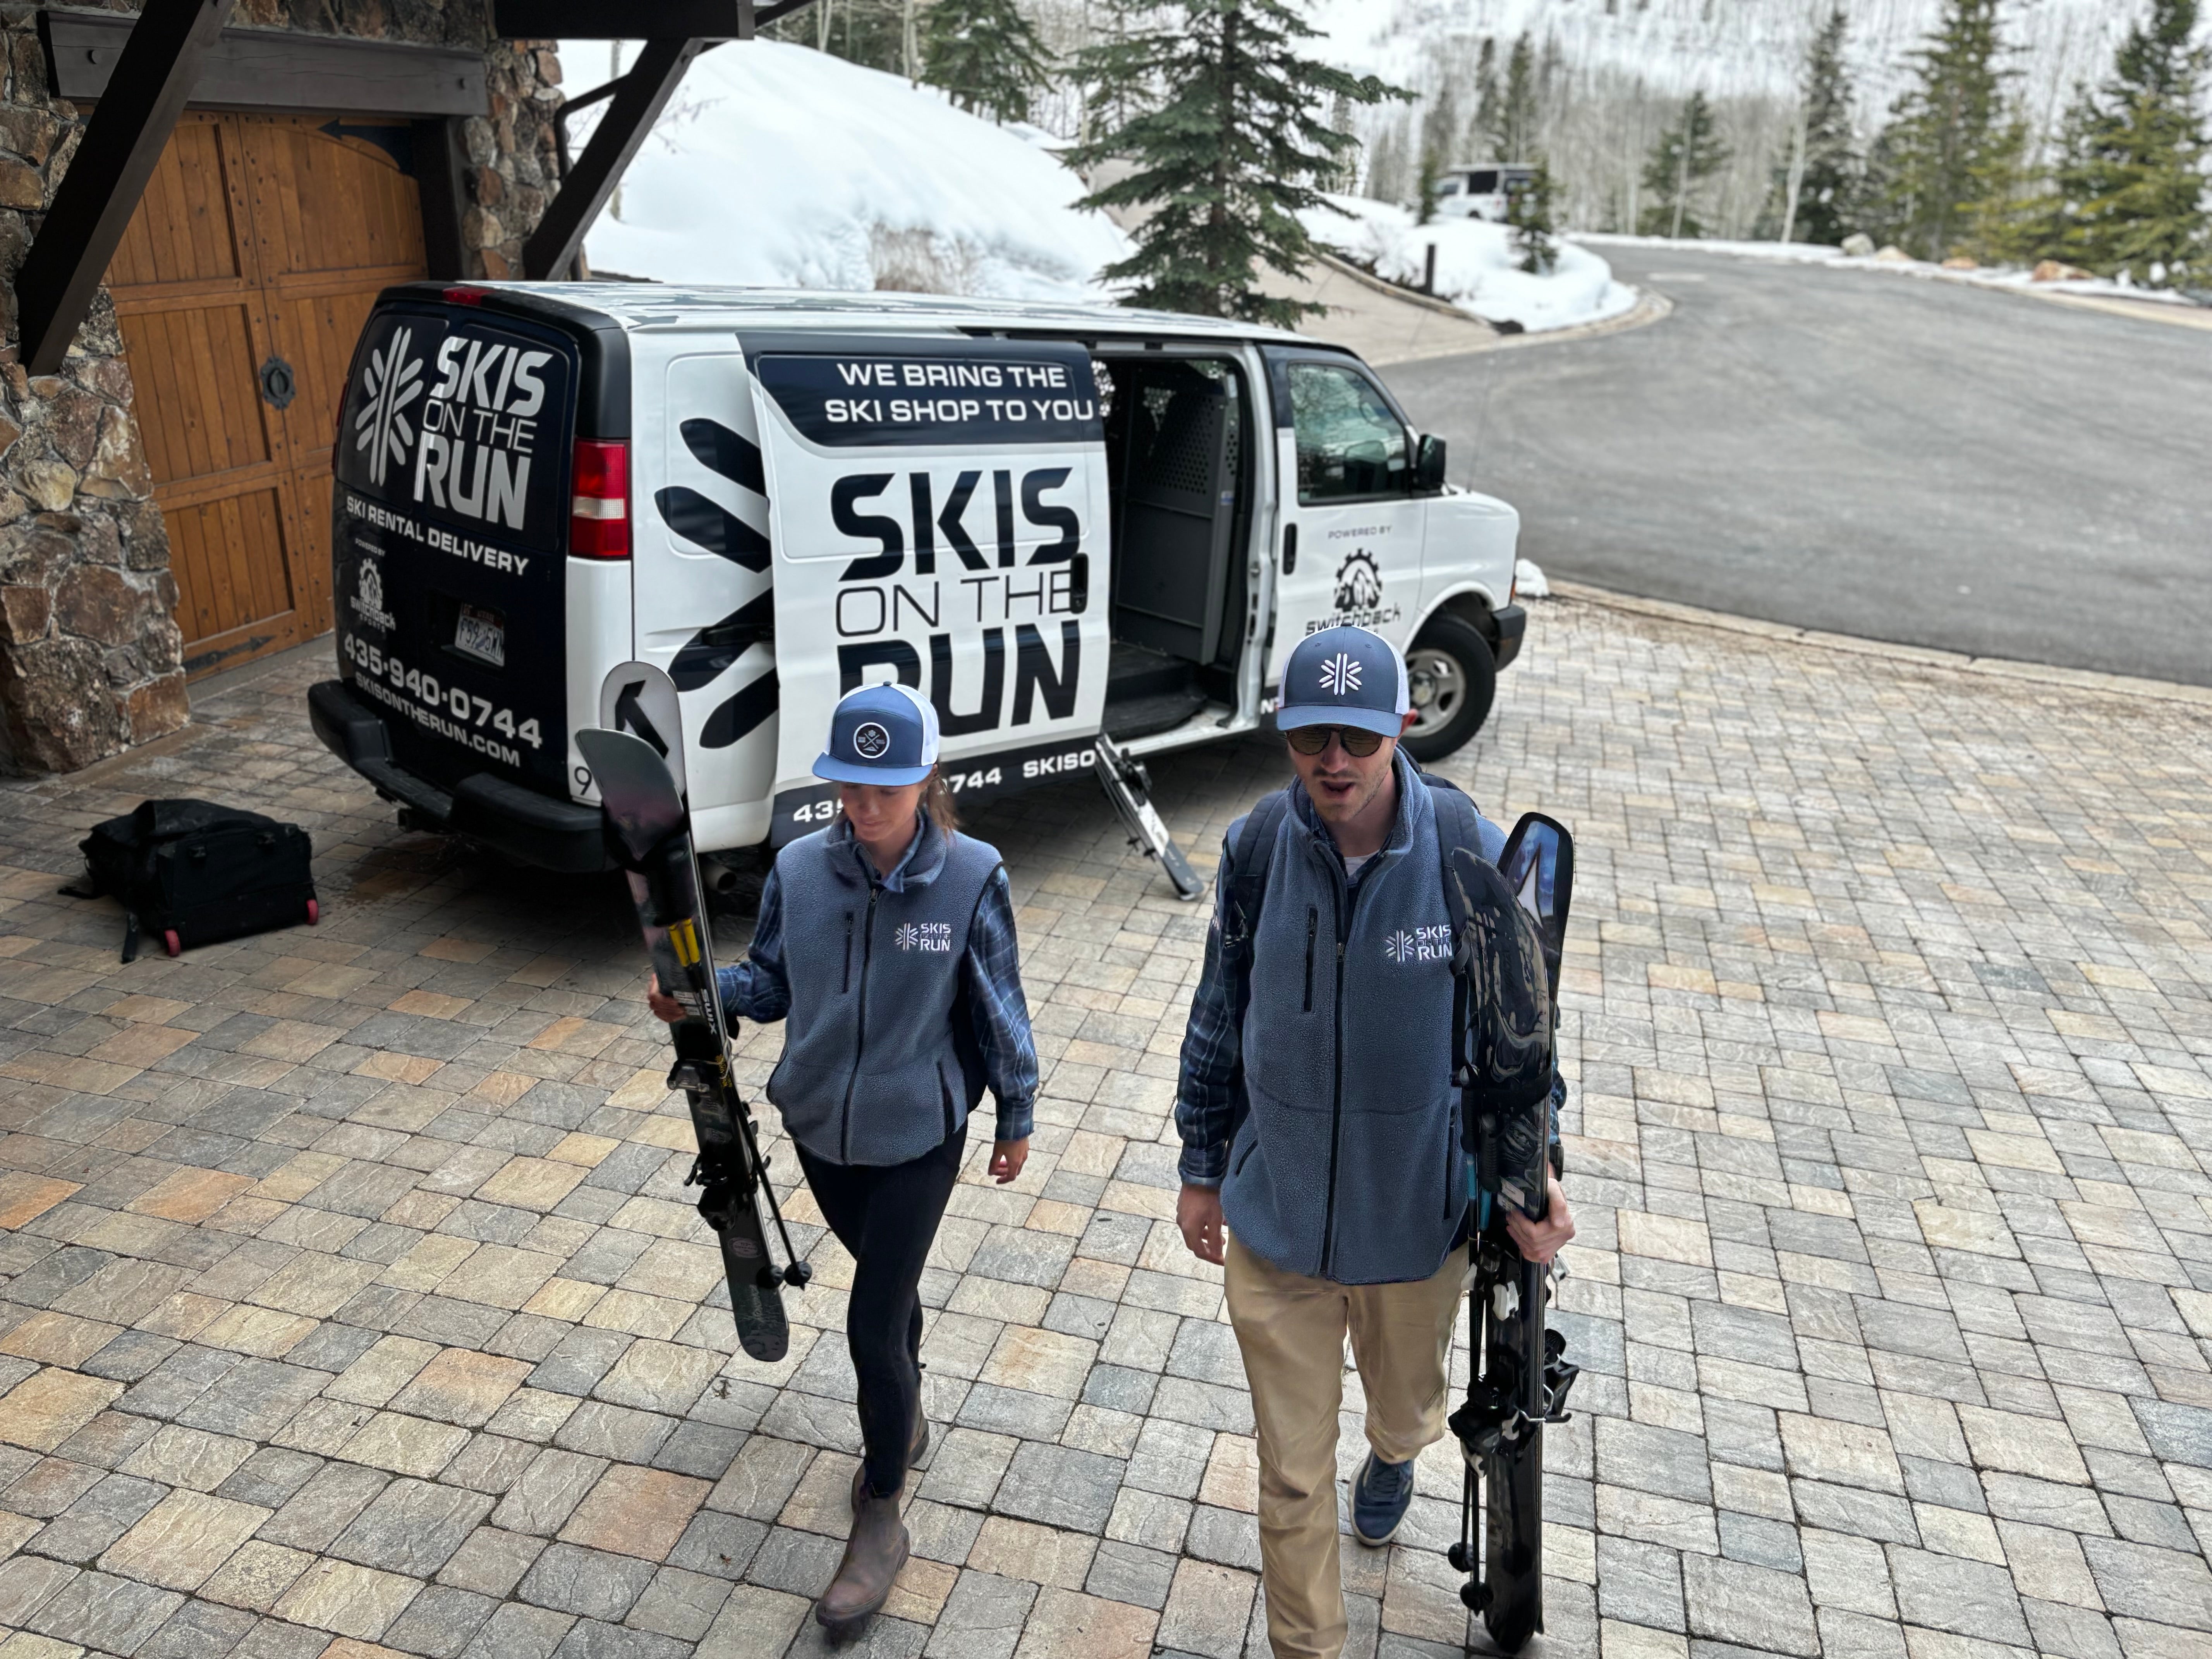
pixel 195 873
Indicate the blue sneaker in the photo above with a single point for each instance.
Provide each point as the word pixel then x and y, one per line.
pixel 1380 1494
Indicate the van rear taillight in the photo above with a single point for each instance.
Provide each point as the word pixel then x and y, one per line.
pixel 598 515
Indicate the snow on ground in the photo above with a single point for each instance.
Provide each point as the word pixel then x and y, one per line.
pixel 2015 277
pixel 1478 266
pixel 1809 252
pixel 1529 582
pixel 786 167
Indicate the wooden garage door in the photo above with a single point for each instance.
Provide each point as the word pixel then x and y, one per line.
pixel 242 286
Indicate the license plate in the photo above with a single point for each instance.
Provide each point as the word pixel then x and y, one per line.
pixel 482 634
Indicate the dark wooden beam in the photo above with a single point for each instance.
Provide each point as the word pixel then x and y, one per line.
pixel 441 167
pixel 277 68
pixel 122 144
pixel 639 98
pixel 594 20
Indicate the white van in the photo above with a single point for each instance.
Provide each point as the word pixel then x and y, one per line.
pixel 1087 534
pixel 1481 190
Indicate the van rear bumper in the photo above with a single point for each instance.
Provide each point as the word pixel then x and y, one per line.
pixel 535 829
pixel 1512 625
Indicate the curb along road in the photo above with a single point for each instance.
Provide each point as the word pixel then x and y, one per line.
pixel 2080 679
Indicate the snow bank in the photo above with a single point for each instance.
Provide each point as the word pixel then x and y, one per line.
pixel 1803 253
pixel 786 168
pixel 1478 266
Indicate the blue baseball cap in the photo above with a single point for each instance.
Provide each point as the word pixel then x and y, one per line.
pixel 884 734
pixel 1344 676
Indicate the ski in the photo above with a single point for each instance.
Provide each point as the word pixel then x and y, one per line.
pixel 1521 1376
pixel 650 832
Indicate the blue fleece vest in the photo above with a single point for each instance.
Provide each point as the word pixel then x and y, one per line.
pixel 1347 1165
pixel 875 1068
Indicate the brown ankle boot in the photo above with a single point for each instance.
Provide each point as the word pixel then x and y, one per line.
pixel 873 1555
pixel 917 1451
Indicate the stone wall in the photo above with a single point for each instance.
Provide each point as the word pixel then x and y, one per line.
pixel 90 656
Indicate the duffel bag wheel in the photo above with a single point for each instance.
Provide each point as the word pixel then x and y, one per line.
pixel 314 913
pixel 171 943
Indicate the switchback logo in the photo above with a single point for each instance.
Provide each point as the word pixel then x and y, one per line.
pixel 368 597
pixel 1358 583
pixel 1357 596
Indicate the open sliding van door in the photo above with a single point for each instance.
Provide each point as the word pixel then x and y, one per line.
pixel 939 519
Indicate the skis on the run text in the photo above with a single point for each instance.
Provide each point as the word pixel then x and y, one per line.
pixel 651 835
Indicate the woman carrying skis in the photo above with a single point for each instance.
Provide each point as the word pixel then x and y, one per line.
pixel 887 942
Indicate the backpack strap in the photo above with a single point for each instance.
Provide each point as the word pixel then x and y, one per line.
pixel 1250 857
pixel 1245 881
pixel 1459 824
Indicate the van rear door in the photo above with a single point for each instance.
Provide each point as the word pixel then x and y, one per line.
pixel 448 509
pixel 939 518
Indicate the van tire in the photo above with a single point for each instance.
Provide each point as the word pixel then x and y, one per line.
pixel 1453 677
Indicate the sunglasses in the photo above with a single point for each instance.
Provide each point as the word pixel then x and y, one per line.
pixel 1313 739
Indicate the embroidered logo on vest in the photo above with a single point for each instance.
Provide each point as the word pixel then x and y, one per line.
pixel 924 936
pixel 1421 945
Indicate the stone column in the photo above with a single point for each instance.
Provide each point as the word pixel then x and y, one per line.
pixel 90 654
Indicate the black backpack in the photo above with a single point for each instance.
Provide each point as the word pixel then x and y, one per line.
pixel 195 873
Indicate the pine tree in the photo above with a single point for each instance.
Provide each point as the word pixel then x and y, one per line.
pixel 1439 134
pixel 985 54
pixel 2131 175
pixel 1515 134
pixel 1688 154
pixel 1530 211
pixel 1482 131
pixel 1227 157
pixel 1952 144
pixel 1830 173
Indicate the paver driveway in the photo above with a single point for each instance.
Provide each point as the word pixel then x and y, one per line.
pixel 348 1297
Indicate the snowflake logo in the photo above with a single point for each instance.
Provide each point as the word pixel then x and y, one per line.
pixel 1339 674
pixel 907 936
pixel 392 381
pixel 1399 947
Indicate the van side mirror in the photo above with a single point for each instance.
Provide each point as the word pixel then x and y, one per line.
pixel 1429 464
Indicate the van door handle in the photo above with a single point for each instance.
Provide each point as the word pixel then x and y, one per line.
pixel 1290 548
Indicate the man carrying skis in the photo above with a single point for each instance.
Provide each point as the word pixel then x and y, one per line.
pixel 1321 1160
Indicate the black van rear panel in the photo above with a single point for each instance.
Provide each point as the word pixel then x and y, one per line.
pixel 449 516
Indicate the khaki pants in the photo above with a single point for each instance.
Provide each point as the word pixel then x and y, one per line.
pixel 1292 1330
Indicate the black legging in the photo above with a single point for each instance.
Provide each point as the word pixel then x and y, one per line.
pixel 886 1218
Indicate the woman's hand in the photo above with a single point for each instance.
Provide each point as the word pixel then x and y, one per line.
pixel 1007 1158
pixel 663 1004
pixel 1540 1241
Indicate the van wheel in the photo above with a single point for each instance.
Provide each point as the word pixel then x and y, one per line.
pixel 1452 678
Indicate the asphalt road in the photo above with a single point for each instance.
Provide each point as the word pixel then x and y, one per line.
pixel 1914 461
